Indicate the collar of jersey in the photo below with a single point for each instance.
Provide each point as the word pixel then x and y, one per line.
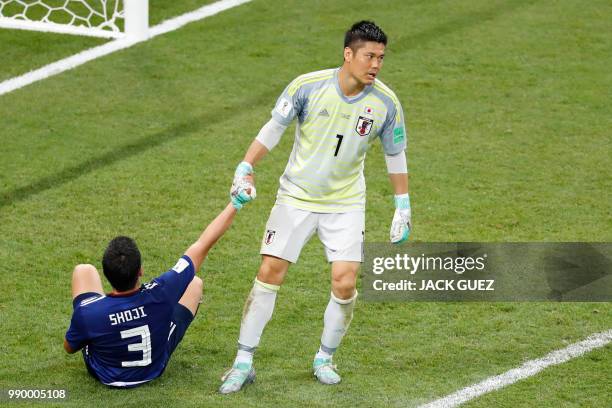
pixel 125 294
pixel 350 99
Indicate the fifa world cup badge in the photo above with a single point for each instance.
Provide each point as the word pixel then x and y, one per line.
pixel 284 107
pixel 364 126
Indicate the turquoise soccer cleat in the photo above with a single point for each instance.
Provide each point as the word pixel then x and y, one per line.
pixel 237 377
pixel 325 371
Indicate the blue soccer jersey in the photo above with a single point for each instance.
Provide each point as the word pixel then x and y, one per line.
pixel 126 339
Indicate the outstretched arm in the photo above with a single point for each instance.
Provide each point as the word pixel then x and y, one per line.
pixel 255 153
pixel 199 249
pixel 268 137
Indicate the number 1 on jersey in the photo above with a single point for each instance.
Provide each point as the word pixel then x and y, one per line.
pixel 339 137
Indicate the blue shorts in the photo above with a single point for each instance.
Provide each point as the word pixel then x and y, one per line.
pixel 181 319
pixel 82 297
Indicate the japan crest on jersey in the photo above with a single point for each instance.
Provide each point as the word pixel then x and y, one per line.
pixel 364 126
pixel 269 237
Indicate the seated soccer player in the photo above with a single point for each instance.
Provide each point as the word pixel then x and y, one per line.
pixel 128 335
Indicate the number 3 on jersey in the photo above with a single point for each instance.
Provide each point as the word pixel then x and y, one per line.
pixel 339 137
pixel 144 345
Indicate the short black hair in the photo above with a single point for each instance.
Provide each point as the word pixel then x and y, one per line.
pixel 364 31
pixel 121 263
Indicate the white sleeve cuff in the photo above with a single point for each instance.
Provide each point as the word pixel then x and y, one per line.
pixel 396 164
pixel 270 134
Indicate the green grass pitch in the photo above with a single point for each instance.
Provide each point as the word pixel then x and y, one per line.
pixel 509 116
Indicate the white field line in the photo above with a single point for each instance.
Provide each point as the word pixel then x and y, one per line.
pixel 96 52
pixel 528 369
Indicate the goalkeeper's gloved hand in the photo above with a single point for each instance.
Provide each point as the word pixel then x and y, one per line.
pixel 242 190
pixel 401 224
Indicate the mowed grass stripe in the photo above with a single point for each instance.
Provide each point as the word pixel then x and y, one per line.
pixel 121 152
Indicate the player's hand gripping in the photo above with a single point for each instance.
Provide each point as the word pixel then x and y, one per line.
pixel 401 224
pixel 243 189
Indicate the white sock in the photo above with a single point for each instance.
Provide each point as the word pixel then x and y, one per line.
pixel 244 356
pixel 337 320
pixel 256 314
pixel 323 354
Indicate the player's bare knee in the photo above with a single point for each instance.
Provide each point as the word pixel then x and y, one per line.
pixel 85 278
pixel 197 284
pixel 84 270
pixel 344 293
pixel 193 295
pixel 343 287
pixel 269 274
pixel 272 271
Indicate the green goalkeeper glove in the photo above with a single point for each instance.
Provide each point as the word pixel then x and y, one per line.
pixel 242 190
pixel 401 224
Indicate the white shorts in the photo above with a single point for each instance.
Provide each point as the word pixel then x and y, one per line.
pixel 288 229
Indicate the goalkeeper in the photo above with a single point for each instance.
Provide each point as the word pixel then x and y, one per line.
pixel 339 112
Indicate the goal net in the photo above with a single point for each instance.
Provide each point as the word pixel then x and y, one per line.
pixel 98 18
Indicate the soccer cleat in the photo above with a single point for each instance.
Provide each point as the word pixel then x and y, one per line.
pixel 236 377
pixel 325 371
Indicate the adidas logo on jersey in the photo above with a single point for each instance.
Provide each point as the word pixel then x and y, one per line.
pixel 324 112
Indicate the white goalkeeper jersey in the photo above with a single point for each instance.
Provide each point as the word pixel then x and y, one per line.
pixel 333 133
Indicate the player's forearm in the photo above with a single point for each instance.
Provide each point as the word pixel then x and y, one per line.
pixel 268 137
pixel 398 172
pixel 198 251
pixel 218 226
pixel 399 182
pixel 255 153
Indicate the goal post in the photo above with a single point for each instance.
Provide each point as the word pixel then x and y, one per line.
pixel 136 18
pixel 97 18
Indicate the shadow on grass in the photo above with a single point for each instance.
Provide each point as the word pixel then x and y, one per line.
pixel 123 152
pixel 94 163
pixel 458 23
